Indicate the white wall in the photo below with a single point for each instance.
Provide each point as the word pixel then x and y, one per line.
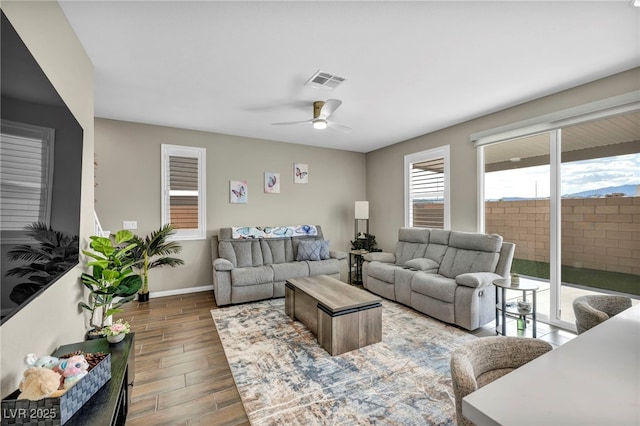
pixel 385 167
pixel 53 318
pixel 128 188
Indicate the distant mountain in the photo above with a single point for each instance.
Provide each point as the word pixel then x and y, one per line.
pixel 626 190
pixel 621 191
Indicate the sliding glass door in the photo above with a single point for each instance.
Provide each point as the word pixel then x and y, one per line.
pixel 570 200
pixel 517 184
pixel 600 214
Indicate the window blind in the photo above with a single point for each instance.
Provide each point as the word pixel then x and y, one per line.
pixel 183 188
pixel 183 192
pixel 25 176
pixel 426 193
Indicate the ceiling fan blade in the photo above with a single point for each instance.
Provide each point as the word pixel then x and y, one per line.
pixel 329 107
pixel 340 127
pixel 290 122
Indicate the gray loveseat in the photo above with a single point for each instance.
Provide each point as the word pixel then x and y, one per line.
pixel 445 274
pixel 246 270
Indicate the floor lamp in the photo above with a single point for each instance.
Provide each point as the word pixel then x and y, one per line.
pixel 361 216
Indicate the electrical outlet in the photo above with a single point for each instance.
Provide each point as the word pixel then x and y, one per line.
pixel 129 224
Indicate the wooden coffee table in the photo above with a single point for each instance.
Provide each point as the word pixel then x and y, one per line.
pixel 342 317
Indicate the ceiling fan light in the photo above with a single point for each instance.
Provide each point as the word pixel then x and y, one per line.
pixel 319 124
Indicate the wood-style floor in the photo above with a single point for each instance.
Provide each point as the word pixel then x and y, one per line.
pixel 182 376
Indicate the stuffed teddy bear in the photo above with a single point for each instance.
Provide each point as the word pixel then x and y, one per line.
pixel 72 369
pixel 47 361
pixel 38 383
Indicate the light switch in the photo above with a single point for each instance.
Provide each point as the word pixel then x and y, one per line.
pixel 129 224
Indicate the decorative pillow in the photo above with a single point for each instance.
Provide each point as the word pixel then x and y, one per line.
pixel 313 250
pixel 324 249
pixel 422 264
pixel 308 250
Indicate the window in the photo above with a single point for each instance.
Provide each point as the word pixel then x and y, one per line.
pixel 183 189
pixel 26 171
pixel 427 188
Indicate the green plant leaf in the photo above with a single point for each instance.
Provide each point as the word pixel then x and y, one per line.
pixel 85 306
pixel 110 275
pixel 123 236
pixel 101 263
pixel 113 311
pixel 102 245
pixel 129 285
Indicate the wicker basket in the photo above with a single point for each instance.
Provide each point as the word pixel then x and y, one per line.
pixel 56 411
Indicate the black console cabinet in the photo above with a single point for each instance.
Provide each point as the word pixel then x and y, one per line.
pixel 109 406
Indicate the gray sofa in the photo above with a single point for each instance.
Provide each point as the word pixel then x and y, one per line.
pixel 246 270
pixel 445 274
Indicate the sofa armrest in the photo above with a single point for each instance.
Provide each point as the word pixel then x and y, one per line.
pixel 477 279
pixel 422 264
pixel 222 265
pixel 380 256
pixel 337 255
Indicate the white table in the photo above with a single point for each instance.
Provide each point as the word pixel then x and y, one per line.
pixel 592 380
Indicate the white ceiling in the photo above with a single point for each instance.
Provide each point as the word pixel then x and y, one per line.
pixel 411 67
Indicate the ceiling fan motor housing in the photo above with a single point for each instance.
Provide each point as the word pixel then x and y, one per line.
pixel 317 107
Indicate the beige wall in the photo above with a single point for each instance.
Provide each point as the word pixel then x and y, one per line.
pixel 128 188
pixel 53 318
pixel 385 167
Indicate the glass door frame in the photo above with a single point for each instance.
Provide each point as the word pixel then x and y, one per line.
pixel 555 224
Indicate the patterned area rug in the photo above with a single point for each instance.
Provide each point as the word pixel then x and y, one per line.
pixel 284 377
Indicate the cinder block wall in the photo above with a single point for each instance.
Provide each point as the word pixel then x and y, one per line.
pixel 597 233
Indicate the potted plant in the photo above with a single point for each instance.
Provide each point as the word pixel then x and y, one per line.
pixel 153 251
pixel 365 242
pixel 112 282
pixel 115 332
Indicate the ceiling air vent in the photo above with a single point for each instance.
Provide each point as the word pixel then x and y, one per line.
pixel 324 80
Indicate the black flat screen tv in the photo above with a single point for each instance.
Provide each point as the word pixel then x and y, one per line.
pixel 40 179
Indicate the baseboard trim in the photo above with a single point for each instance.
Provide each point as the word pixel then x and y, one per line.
pixel 154 294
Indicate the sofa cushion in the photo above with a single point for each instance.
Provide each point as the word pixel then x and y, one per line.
pixel 241 253
pixel 379 256
pixel 276 250
pixel 324 267
pixel 435 286
pixel 284 271
pixel 436 252
pixel 382 271
pixel 414 235
pixel 406 251
pixel 439 236
pixel 313 250
pixel 459 261
pixel 473 241
pixel 251 275
pixel 422 264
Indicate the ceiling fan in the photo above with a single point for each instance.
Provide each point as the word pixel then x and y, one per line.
pixel 322 110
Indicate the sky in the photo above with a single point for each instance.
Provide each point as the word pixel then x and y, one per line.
pixel 577 176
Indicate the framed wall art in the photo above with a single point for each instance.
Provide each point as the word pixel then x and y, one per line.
pixel 238 192
pixel 300 173
pixel 271 183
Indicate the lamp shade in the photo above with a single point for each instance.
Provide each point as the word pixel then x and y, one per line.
pixel 362 210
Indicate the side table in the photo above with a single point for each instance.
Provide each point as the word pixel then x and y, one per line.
pixel 355 256
pixel 502 309
pixel 108 406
